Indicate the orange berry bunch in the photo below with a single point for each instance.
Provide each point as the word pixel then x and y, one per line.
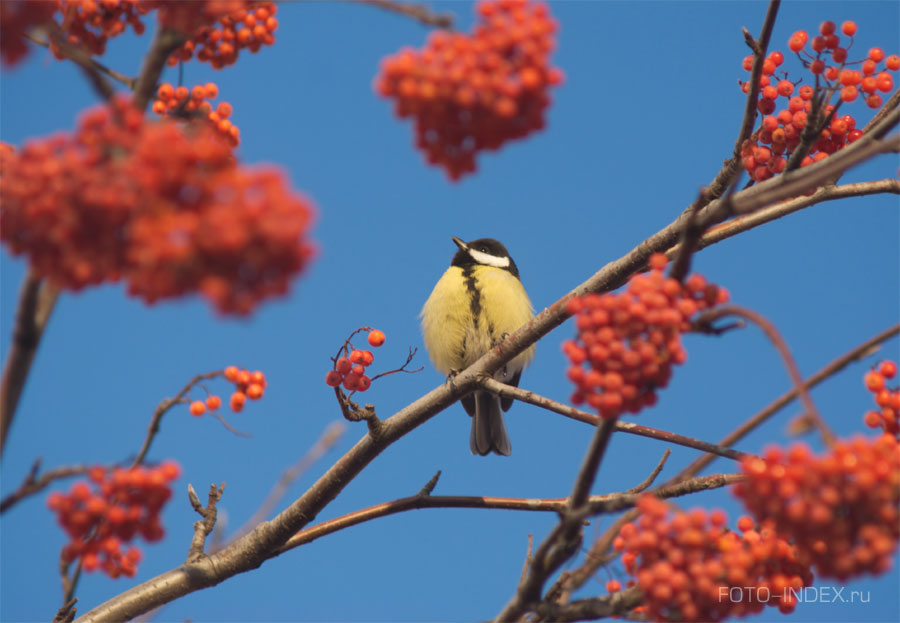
pixel 350 369
pixel 888 399
pixel 184 102
pixel 91 23
pixel 163 206
pixel 841 510
pixel 780 132
pixel 227 27
pixel 123 504
pixel 468 93
pixel 247 384
pixel 16 19
pixel 691 567
pixel 627 343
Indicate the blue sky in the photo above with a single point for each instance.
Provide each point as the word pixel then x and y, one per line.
pixel 649 110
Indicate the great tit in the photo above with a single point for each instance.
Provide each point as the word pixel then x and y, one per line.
pixel 477 302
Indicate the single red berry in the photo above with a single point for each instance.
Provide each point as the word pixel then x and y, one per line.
pixel 376 338
pixel 892 62
pixel 255 391
pixel 827 27
pixel 237 401
pixel 848 94
pixel 848 28
pixel 888 369
pixel 356 356
pixel 343 365
pixel 231 373
pixel 333 378
pixel 874 381
pixel 198 408
pixel 876 54
pixel 363 383
pixel 213 403
pixel 874 101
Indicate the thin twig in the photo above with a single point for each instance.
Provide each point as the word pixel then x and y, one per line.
pixel 781 346
pixel 524 395
pixel 418 12
pixel 66 614
pixel 164 407
pixel 32 484
pixel 36 302
pixel 594 505
pixel 203 527
pixel 649 479
pixel 528 553
pixel 753 422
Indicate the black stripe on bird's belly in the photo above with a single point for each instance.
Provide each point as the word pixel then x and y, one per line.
pixel 474 294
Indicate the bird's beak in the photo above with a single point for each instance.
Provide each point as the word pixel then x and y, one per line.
pixel 462 245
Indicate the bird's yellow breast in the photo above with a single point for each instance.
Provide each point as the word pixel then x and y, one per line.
pixel 470 311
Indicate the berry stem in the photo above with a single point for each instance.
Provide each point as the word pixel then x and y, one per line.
pixel 706 320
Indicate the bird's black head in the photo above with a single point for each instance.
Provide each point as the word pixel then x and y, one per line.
pixel 484 251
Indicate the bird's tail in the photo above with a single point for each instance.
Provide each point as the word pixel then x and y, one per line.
pixel 488 429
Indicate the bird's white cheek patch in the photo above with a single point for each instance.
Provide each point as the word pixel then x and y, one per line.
pixel 489 260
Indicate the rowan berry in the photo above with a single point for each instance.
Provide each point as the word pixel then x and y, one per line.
pixel 376 338
pixel 254 391
pixel 237 401
pixel 213 403
pixel 848 28
pixel 198 408
pixel 231 373
pixel 333 378
pixel 363 383
pixel 876 54
pixel 892 62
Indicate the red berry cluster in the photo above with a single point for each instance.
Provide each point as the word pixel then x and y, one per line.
pixel 226 27
pixel 91 23
pixel 887 399
pixel 350 370
pixel 124 503
pixel 689 565
pixel 184 102
pixel 247 384
pixel 840 510
pixel 16 19
pixel 162 205
pixel 630 341
pixel 473 92
pixel 766 153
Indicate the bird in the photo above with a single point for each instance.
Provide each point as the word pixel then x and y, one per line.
pixel 476 303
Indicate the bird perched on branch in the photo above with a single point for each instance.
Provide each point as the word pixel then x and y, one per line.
pixel 477 302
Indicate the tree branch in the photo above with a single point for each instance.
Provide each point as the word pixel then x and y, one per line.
pixel 523 395
pixel 36 302
pixel 835 366
pixel 598 504
pixel 32 484
pixel 418 12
